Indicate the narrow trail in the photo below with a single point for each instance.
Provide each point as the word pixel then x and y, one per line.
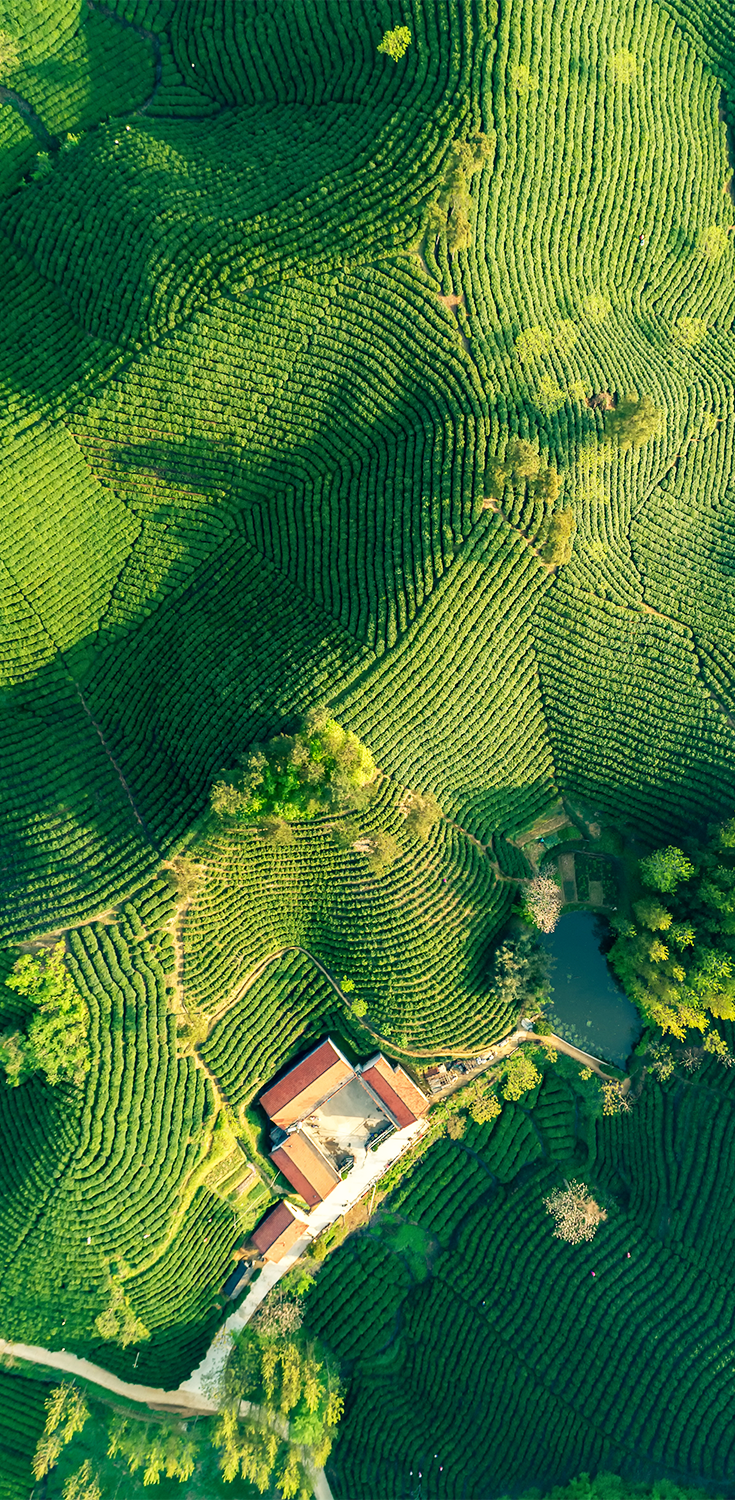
pixel 29 117
pixel 148 36
pixel 118 772
pixel 494 506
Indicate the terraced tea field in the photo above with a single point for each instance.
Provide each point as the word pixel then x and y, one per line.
pixel 376 365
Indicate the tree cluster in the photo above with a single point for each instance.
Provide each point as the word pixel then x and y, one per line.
pixel 523 466
pixel 66 1413
pixel 449 213
pixel 55 1042
pixel 520 972
pixel 677 959
pixel 160 1449
pixel 319 769
pixel 299 1402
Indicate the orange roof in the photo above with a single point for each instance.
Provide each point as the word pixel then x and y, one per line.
pixel 306 1167
pixel 394 1087
pixel 305 1086
pixel 279 1231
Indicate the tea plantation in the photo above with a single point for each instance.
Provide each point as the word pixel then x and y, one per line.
pixel 369 368
pixel 500 1356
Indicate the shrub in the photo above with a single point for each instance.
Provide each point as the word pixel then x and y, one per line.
pixel 395 43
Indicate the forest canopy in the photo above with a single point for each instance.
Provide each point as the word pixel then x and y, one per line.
pixel 54 1042
pixel 677 959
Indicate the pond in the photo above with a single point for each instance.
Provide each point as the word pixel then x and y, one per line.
pixel 588 1006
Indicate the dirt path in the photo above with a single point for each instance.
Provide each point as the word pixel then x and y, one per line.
pixel 494 505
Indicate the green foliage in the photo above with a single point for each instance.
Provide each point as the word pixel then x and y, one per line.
pixel 665 869
pixel 678 963
pixel 423 815
pixel 634 421
pixel 119 1322
pixel 322 767
pixel 82 1485
pixel 67 1411
pixel 395 43
pixel 56 1039
pixel 159 1449
pixel 557 549
pixel 288 1378
pixel 639 1278
pixel 521 1075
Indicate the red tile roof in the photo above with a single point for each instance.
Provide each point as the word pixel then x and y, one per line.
pixel 278 1232
pixel 404 1100
pixel 306 1167
pixel 303 1088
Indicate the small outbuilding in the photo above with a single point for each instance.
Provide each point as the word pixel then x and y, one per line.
pixel 279 1231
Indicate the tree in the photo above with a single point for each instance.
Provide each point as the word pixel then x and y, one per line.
pixel 67 1411
pixel 82 1484
pixel 533 342
pixel 484 1108
pixel 523 459
pixel 521 1075
pixel 423 814
pixel 274 830
pixel 119 1323
pixel 543 901
pixel 449 214
pixel 665 869
pixel 395 43
pixel 634 421
pixel 383 853
pixel 557 549
pixel 575 1212
pixel 661 1061
pixel 56 1040
pixel 650 913
pixel 614 1101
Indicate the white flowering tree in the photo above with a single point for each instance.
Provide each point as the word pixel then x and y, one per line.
pixel 543 900
pixel 575 1213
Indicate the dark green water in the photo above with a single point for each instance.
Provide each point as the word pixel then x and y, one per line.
pixel 588 1007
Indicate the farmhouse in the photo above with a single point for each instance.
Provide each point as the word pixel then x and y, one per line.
pixel 327 1114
